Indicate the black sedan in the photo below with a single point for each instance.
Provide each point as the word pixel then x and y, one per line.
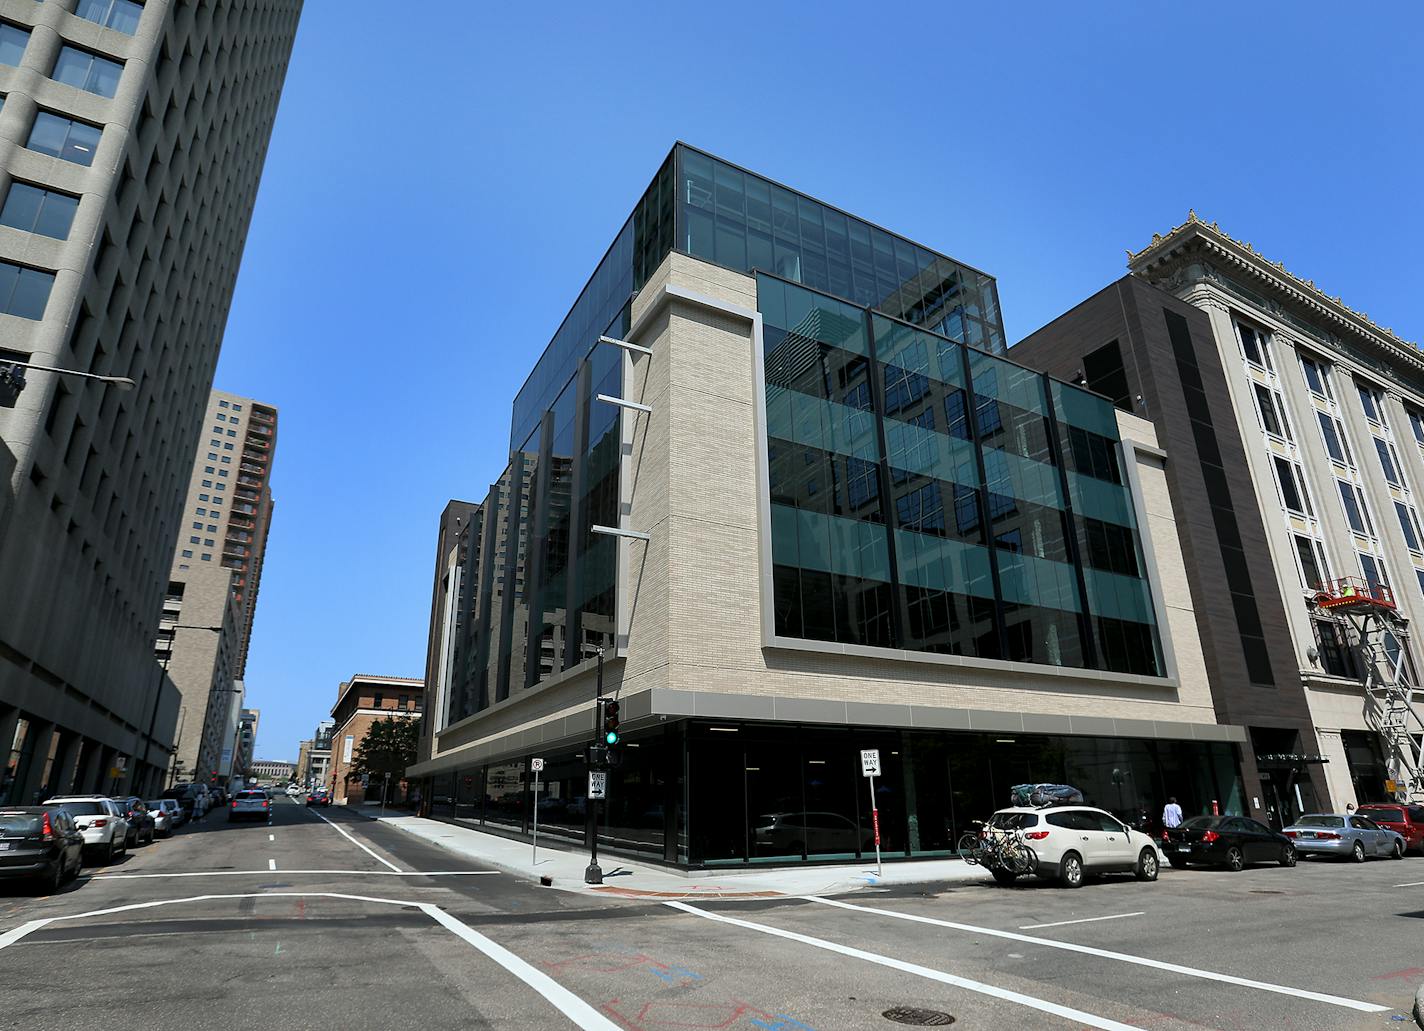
pixel 142 829
pixel 40 842
pixel 1229 841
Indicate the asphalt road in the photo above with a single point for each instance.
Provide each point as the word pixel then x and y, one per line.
pixel 348 924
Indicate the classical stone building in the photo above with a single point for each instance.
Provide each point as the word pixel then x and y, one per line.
pixel 1299 427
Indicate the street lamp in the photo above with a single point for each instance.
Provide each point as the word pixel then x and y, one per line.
pixel 12 378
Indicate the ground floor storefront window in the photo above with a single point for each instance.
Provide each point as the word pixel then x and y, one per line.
pixel 710 794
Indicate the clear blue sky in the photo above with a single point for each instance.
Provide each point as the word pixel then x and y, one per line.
pixel 432 206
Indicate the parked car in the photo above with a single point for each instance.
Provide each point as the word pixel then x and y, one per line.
pixel 319 797
pixel 163 816
pixel 100 820
pixel 218 795
pixel 40 842
pixel 1073 841
pixel 1405 819
pixel 1341 834
pixel 193 801
pixel 1229 841
pixel 177 814
pixel 251 804
pixel 815 833
pixel 142 827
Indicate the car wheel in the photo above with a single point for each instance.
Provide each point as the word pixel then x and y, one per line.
pixel 112 856
pixel 1070 870
pixel 1177 864
pixel 1358 852
pixel 1004 876
pixel 49 883
pixel 1147 865
pixel 1234 859
pixel 1398 851
pixel 1287 855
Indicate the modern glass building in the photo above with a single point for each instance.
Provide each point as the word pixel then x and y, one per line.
pixel 777 467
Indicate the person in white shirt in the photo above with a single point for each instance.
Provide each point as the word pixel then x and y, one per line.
pixel 1171 813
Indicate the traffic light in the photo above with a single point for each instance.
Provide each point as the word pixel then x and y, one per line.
pixel 611 736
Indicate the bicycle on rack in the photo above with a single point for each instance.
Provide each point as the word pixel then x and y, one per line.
pixel 1000 850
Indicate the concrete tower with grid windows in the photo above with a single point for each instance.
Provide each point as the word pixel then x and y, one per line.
pixel 132 139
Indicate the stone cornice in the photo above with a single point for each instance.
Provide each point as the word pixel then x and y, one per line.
pixel 1195 240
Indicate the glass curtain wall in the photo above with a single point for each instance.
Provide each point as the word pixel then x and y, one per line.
pixel 929 496
pixel 774 794
pixel 747 223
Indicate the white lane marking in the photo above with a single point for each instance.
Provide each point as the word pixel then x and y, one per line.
pixel 566 1002
pixel 1043 1005
pixel 1085 920
pixel 1176 968
pixel 271 837
pixel 288 873
pixel 573 1007
pixel 11 937
pixel 1411 884
pixel 353 841
pixel 271 864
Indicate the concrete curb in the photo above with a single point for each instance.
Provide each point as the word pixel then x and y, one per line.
pixel 1419 1006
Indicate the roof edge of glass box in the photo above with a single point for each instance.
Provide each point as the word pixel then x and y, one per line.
pixel 548 359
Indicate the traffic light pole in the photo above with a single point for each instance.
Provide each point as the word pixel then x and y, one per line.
pixel 594 873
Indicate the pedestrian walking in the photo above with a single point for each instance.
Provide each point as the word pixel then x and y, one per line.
pixel 1171 813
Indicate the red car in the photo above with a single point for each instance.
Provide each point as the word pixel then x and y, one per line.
pixel 1406 818
pixel 319 798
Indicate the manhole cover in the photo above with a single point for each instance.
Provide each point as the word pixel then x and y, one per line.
pixel 917 1017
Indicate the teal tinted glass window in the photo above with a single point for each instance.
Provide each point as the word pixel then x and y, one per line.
pixel 86 71
pixel 13 41
pixel 876 425
pixel 120 15
pixel 33 210
pixel 64 138
pixel 24 291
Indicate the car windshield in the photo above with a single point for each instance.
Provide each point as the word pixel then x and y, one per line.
pixel 1013 821
pixel 1320 821
pixel 84 808
pixel 1384 815
pixel 1201 823
pixel 14 825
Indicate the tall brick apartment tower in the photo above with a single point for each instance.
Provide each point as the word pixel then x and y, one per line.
pixel 228 511
pixel 132 139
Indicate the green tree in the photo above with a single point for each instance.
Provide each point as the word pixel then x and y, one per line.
pixel 388 747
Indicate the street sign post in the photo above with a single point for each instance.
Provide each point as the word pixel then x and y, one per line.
pixel 537 765
pixel 870 769
pixel 593 873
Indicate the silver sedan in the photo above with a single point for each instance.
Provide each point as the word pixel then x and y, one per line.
pixel 1346 835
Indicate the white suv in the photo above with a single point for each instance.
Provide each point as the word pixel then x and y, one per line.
pixel 1070 841
pixel 101 822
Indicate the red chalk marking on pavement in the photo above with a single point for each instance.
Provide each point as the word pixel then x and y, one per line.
pixel 1410 973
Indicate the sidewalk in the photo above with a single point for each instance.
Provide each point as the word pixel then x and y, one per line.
pixel 630 879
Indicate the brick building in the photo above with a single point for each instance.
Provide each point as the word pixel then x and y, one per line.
pixel 362 701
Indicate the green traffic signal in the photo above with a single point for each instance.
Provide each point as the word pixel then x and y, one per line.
pixel 611 737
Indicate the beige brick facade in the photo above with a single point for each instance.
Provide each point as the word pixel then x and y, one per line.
pixel 691 598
